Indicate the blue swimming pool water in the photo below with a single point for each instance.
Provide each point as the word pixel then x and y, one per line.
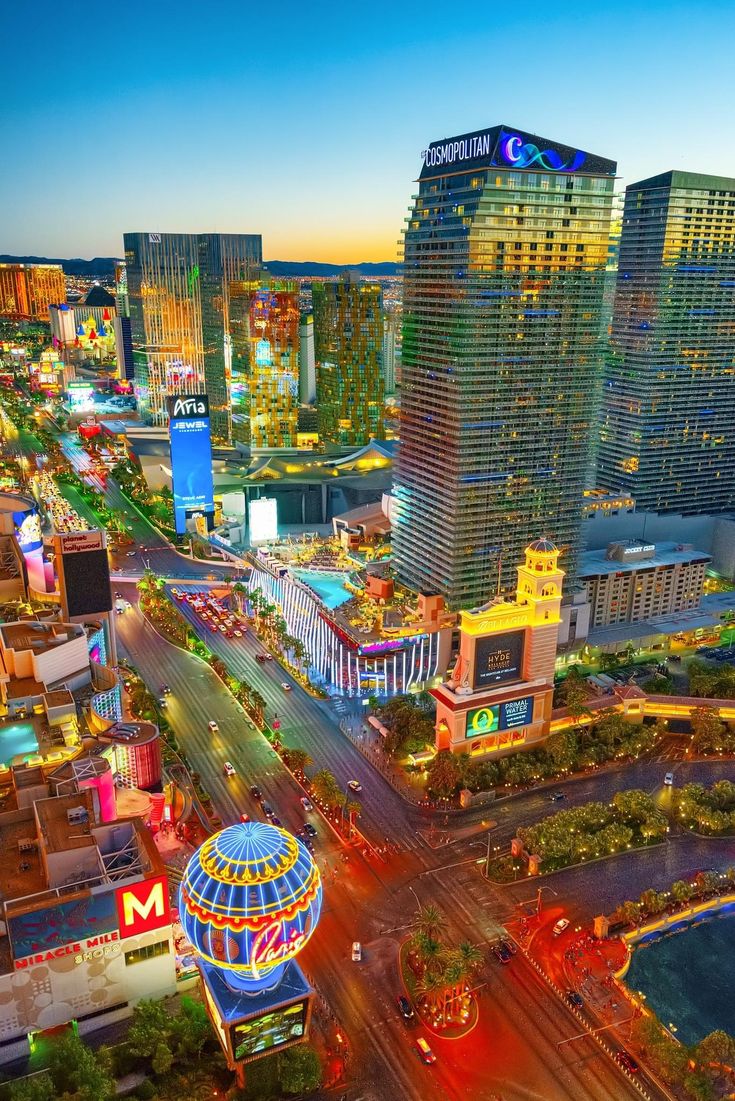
pixel 16 739
pixel 329 586
pixel 688 977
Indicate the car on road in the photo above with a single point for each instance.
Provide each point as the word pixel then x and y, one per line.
pixel 229 768
pixel 213 726
pixel 354 785
pixel 244 817
pixel 502 955
pixel 285 686
pixel 356 951
pixel 561 925
pixel 306 803
pixel 626 1061
pixel 405 1007
pixel 130 554
pixel 256 792
pixel 261 658
pixel 308 842
pixel 556 796
pixel 165 690
pixel 426 1054
pixel 237 633
pixel 509 946
pixel 275 820
pixel 669 779
pixel 308 829
pixel 162 702
pixel 574 999
pixel 268 810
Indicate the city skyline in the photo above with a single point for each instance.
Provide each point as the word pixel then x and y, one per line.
pixel 187 148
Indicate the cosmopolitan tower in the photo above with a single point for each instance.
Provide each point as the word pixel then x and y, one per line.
pixel 504 265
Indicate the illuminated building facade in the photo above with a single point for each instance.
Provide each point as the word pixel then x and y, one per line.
pixel 504 264
pixel 178 288
pixel 273 326
pixel 667 435
pixel 348 349
pixel 498 698
pixel 27 290
pixel 249 902
pixel 86 912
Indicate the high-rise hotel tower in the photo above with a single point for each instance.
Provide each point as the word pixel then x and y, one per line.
pixel 180 289
pixel 504 264
pixel 668 420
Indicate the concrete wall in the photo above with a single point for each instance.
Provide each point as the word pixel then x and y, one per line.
pixel 714 534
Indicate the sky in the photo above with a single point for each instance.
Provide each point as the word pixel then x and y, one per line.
pixel 305 122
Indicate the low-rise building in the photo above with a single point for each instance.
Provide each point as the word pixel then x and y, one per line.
pixel 632 580
pixel 86 915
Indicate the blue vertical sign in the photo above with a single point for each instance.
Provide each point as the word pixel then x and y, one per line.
pixel 191 457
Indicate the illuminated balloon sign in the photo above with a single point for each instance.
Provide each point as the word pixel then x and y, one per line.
pixel 249 901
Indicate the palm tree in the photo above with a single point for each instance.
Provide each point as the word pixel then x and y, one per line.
pixel 353 809
pixel 430 989
pixel 297 759
pixel 237 592
pixel 470 955
pixel 325 787
pixel 429 953
pixel 431 921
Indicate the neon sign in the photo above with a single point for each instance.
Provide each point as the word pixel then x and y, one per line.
pixel 521 154
pixel 249 901
pixel 271 947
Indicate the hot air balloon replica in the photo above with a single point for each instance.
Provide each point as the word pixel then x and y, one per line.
pixel 249 901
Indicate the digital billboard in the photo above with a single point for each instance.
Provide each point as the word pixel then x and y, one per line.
pixel 84 572
pixel 499 716
pixel 498 659
pixel 191 457
pixel 269 1031
pixel 263 520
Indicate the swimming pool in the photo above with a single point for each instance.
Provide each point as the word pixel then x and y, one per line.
pixel 688 976
pixel 16 740
pixel 329 586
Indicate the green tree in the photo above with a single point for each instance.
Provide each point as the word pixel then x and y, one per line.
pixel 325 787
pixel 162 1059
pixel 299 1069
pixel 444 774
pixel 633 805
pixel 431 921
pixel 74 1069
pixel 150 1023
pixel 707 728
pixel 562 748
pixel 191 1029
pixel 297 759
pixel 681 891
pixel 38 1088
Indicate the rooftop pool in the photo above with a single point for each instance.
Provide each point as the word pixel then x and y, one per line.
pixel 688 976
pixel 16 740
pixel 329 586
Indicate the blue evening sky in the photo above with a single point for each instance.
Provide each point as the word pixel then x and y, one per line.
pixel 305 122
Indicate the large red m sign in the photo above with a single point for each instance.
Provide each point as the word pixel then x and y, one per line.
pixel 143 906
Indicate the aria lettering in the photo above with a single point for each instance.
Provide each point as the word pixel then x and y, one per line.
pixel 188 407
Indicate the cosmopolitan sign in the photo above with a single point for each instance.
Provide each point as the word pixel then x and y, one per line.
pixel 499 147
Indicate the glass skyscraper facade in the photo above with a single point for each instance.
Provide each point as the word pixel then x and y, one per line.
pixel 274 319
pixel 504 263
pixel 348 350
pixel 179 292
pixel 667 434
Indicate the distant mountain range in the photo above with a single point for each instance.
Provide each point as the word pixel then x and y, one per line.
pixel 103 267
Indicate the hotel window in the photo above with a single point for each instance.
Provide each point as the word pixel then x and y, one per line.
pixel 138 955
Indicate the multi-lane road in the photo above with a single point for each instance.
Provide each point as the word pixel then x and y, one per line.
pixel 514 1052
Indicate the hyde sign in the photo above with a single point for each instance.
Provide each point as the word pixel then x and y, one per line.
pixel 143 906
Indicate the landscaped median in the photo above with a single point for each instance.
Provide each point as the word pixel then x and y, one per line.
pixel 439 977
pixel 582 834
